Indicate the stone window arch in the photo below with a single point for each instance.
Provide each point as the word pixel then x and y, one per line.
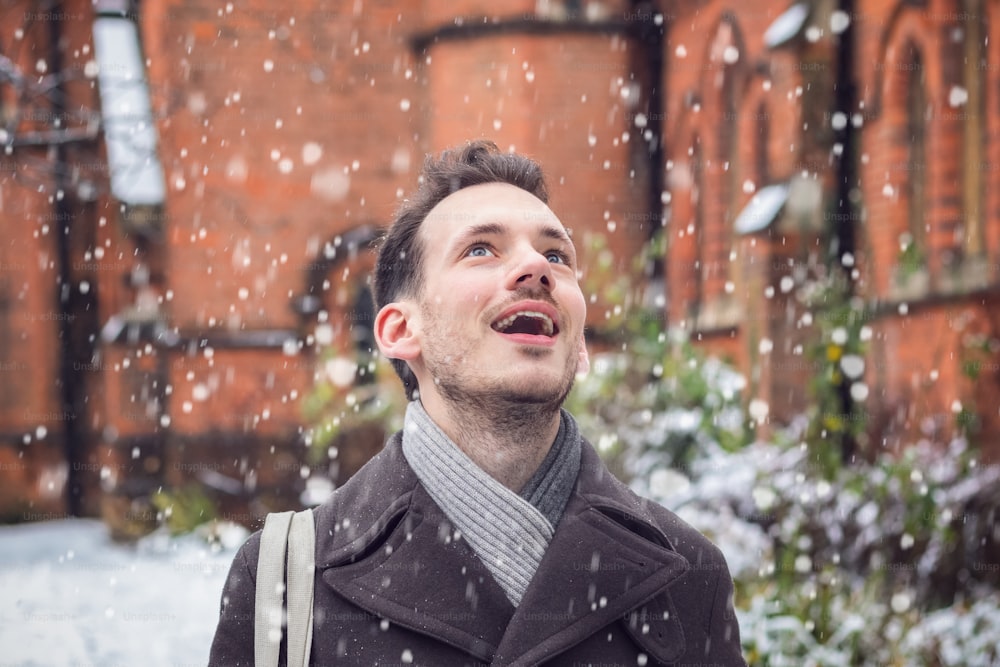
pixel 974 30
pixel 722 197
pixel 902 168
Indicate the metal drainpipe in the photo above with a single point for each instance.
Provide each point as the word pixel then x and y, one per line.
pixel 653 38
pixel 846 171
pixel 845 101
pixel 70 381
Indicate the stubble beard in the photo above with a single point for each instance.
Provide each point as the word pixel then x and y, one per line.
pixel 508 403
pixel 504 423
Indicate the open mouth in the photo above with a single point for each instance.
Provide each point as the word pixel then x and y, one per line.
pixel 531 322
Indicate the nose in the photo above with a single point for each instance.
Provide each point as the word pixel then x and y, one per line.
pixel 531 269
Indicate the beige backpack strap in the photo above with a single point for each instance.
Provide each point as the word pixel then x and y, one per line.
pixel 301 571
pixel 270 589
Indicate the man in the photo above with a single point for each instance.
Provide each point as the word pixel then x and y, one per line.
pixel 488 531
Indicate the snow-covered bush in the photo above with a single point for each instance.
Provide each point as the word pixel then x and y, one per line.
pixel 657 404
pixel 884 562
pixel 853 569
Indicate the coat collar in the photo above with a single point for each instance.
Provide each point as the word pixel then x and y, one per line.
pixel 385 545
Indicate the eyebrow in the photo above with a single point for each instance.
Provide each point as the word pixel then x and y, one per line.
pixel 498 229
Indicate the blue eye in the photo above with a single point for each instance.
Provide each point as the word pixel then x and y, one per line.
pixel 557 257
pixel 479 251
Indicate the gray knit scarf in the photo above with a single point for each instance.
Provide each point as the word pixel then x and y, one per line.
pixel 508 531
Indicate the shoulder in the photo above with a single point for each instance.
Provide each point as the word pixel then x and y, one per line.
pixel 379 489
pixel 245 561
pixel 700 599
pixel 688 540
pixel 601 487
pixel 365 505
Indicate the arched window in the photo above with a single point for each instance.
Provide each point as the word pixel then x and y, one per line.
pixel 697 233
pixel 914 183
pixel 728 131
pixel 974 134
pixel 724 106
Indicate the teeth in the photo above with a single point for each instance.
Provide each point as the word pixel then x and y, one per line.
pixel 547 326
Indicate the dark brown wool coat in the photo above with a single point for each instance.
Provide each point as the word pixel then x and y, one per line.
pixel 624 582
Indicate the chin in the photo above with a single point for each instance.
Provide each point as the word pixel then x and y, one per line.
pixel 538 391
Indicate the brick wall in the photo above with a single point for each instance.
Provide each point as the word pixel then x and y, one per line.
pixel 565 100
pixel 793 84
pixel 48 195
pixel 283 129
pixel 925 340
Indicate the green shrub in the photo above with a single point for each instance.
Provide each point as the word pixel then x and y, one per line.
pixel 183 509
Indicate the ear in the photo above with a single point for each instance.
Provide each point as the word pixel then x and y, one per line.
pixel 583 358
pixel 396 331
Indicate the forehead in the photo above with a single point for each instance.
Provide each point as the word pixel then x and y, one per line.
pixel 509 205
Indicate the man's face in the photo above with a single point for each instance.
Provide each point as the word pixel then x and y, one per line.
pixel 501 313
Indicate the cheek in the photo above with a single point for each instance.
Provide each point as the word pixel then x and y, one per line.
pixel 456 309
pixel 468 292
pixel 577 306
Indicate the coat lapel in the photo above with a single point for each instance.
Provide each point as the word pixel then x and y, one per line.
pixel 424 577
pixel 595 572
pixel 394 553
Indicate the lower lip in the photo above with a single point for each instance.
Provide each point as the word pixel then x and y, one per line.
pixel 529 339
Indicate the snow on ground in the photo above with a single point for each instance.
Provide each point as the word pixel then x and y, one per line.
pixel 71 596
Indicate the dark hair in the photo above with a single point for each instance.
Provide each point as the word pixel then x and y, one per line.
pixel 399 266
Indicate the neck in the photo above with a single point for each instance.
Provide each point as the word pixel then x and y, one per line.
pixel 507 441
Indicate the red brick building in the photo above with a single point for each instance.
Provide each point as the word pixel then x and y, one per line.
pixel 162 321
pixel 881 119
